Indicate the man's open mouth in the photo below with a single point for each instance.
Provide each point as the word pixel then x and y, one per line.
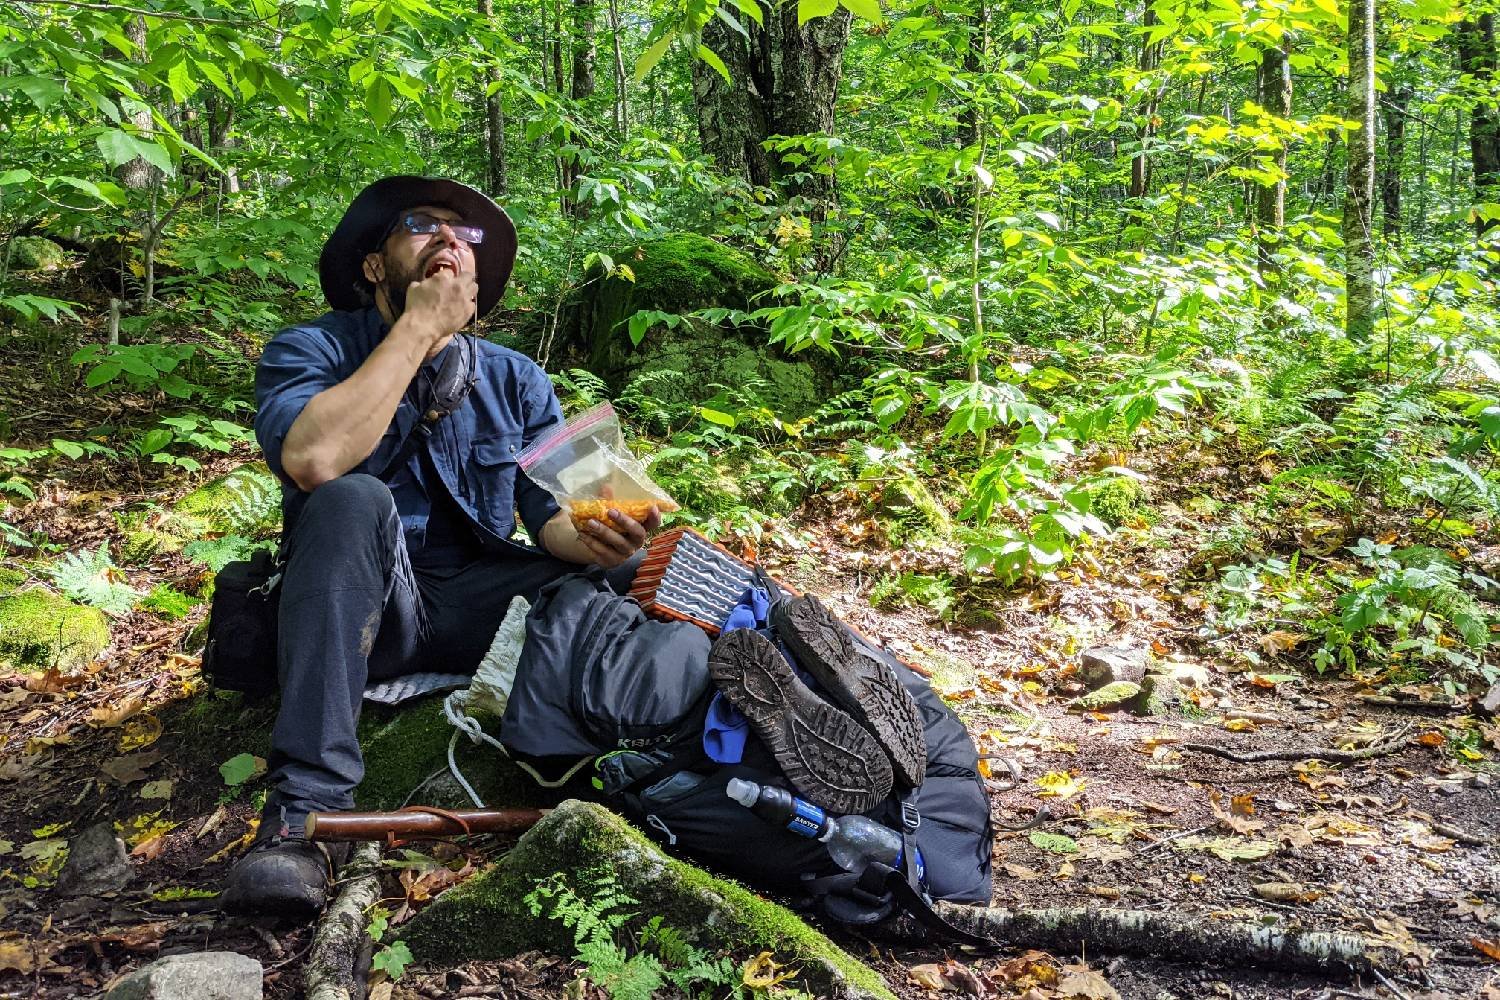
pixel 442 262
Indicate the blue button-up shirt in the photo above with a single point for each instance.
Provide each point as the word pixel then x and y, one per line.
pixel 472 451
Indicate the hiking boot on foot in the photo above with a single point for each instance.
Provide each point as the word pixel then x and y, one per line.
pixel 864 686
pixel 827 756
pixel 283 874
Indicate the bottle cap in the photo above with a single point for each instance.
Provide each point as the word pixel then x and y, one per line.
pixel 742 791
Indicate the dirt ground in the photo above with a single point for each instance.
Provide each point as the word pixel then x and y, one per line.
pixel 1400 847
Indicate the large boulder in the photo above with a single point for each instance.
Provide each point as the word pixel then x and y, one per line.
pixel 245 502
pixel 597 851
pixel 39 629
pixel 36 253
pixel 680 273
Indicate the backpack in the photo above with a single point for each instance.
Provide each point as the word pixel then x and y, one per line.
pixel 598 678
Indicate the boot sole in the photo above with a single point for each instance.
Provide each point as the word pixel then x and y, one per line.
pixel 828 757
pixel 864 686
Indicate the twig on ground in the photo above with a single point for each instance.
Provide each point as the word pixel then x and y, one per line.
pixel 1459 834
pixel 1389 985
pixel 1395 744
pixel 1155 844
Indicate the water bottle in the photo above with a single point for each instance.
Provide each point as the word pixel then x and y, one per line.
pixel 853 841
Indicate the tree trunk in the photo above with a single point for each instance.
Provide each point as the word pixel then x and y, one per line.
pixel 622 81
pixel 494 117
pixel 557 49
pixel 1274 97
pixel 1140 169
pixel 1359 192
pixel 137 174
pixel 783 82
pixel 1397 101
pixel 585 51
pixel 1476 51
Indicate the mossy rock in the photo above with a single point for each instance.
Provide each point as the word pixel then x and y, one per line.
pixel 1109 696
pixel 1160 695
pixel 911 510
pixel 406 750
pixel 1115 500
pixel 144 544
pixel 36 253
pixel 486 917
pixel 245 502
pixel 680 273
pixel 39 628
pixel 11 579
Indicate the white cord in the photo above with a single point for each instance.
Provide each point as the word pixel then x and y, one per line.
pixel 491 686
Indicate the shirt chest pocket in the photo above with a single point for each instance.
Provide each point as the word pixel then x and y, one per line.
pixel 491 476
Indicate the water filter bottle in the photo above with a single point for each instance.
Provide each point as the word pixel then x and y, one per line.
pixel 853 841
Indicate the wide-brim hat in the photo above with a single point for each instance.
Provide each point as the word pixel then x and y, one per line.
pixel 373 210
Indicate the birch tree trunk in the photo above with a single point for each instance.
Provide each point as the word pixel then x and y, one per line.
pixel 1359 191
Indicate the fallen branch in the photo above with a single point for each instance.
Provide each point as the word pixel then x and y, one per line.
pixel 329 973
pixel 1186 937
pixel 1395 744
pixel 1424 705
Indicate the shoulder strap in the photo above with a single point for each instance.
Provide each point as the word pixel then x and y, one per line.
pixel 454 380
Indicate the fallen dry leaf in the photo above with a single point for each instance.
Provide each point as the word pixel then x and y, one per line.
pixel 1059 784
pixel 762 972
pixel 131 767
pixel 151 848
pixel 140 732
pixel 1081 981
pixel 1239 725
pixel 929 976
pixel 1486 947
pixel 1432 739
pixel 1277 642
pixel 1286 892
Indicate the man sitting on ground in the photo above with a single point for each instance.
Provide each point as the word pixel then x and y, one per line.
pixel 397 532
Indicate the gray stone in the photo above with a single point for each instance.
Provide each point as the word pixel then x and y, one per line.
pixel 1160 695
pixel 1491 701
pixel 207 975
pixel 1103 665
pixel 96 863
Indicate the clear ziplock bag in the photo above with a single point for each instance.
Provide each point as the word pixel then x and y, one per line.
pixel 586 466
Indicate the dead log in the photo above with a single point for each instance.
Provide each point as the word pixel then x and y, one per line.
pixel 1177 936
pixel 329 972
pixel 1394 744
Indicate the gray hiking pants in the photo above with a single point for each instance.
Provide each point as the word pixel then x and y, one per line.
pixel 354 609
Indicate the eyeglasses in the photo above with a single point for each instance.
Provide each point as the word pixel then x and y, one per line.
pixel 422 224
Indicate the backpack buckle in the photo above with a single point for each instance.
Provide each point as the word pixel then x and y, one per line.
pixel 911 819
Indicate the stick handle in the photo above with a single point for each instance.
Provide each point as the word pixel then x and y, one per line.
pixel 418 822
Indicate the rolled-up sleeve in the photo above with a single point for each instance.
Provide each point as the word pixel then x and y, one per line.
pixel 542 411
pixel 297 364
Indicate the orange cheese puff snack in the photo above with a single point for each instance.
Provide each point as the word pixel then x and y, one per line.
pixel 584 511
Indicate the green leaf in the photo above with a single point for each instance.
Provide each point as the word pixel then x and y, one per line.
pixel 1056 843
pixel 71 449
pixel 750 9
pixel 378 100
pixel 393 960
pixel 717 417
pixel 709 56
pixel 180 82
pixel 20 175
pixel 809 9
pixel 154 441
pixel 241 768
pixel 43 91
pixel 869 10
pixel 652 56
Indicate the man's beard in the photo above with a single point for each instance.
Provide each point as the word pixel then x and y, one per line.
pixel 395 284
